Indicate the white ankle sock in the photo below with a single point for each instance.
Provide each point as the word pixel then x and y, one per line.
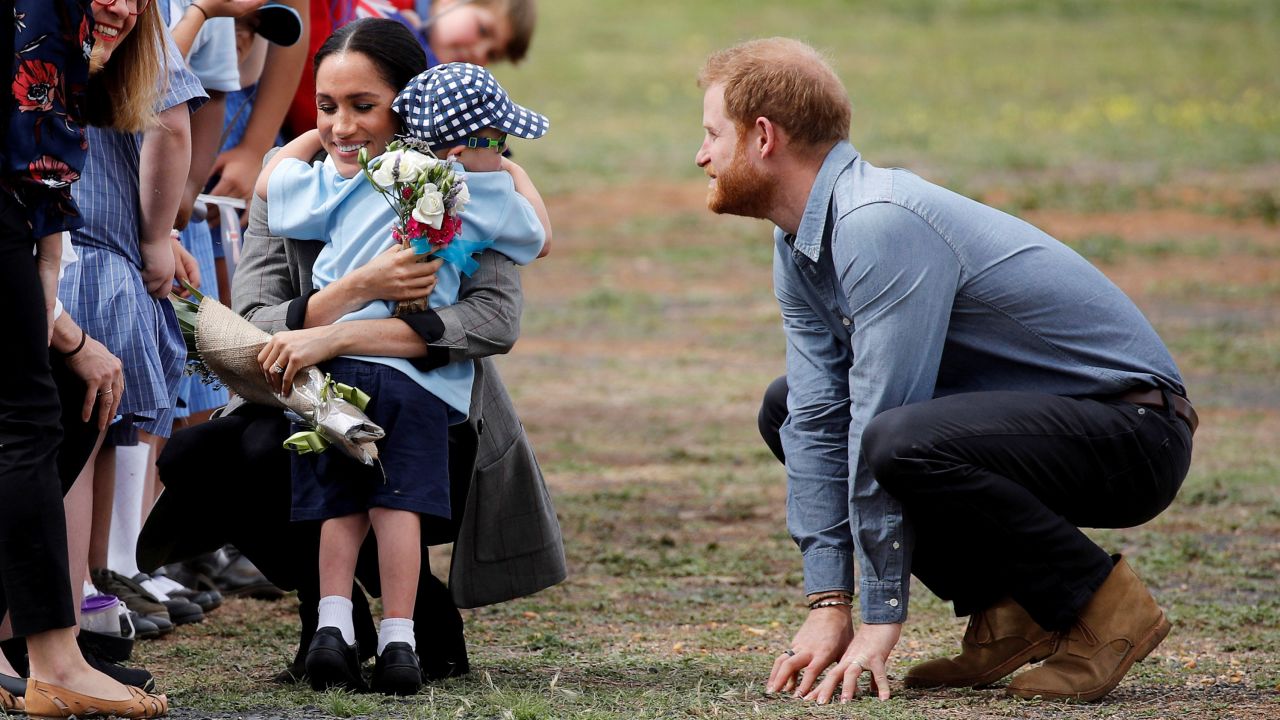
pixel 166 584
pixel 335 612
pixel 126 510
pixel 152 587
pixel 395 630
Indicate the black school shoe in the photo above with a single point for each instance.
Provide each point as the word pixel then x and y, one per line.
pixel 112 648
pixel 396 670
pixel 331 662
pixel 137 677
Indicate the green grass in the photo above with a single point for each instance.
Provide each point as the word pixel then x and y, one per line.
pixel 1033 95
pixel 651 331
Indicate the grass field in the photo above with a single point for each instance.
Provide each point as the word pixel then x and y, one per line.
pixel 1145 133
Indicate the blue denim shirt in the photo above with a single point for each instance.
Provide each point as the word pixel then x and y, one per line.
pixel 896 291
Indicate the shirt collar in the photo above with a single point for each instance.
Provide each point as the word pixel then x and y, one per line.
pixel 808 239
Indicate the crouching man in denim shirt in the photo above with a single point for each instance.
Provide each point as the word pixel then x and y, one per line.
pixel 963 394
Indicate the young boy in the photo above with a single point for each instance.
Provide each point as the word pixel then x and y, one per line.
pixel 464 115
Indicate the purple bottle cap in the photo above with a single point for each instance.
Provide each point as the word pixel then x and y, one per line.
pixel 99 603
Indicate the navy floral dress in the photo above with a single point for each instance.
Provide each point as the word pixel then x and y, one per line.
pixel 44 141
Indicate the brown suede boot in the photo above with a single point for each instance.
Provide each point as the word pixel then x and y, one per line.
pixel 998 641
pixel 1119 626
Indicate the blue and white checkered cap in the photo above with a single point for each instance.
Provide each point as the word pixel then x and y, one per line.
pixel 451 101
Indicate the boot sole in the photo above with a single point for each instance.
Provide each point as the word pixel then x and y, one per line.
pixel 1149 642
pixel 1033 654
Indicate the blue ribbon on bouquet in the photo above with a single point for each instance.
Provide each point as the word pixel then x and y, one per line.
pixel 459 252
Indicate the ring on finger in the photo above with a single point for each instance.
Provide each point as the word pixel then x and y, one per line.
pixel 277 369
pixel 859 662
pixel 789 652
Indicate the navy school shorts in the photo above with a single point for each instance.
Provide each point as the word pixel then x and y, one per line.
pixel 414 455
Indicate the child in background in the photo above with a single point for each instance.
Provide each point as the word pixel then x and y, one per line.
pixel 463 114
pixel 481 32
pixel 474 31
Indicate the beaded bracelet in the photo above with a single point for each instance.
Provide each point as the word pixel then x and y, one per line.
pixel 830 603
pixel 847 597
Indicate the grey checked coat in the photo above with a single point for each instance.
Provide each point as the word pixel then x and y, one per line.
pixel 509 543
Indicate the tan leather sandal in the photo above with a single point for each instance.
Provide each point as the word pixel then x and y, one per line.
pixel 10 702
pixel 44 700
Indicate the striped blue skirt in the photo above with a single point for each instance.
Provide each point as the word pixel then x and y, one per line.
pixel 105 295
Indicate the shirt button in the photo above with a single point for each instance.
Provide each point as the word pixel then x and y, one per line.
pixel 896 545
pixel 893 602
pixel 1142 411
pixel 846 321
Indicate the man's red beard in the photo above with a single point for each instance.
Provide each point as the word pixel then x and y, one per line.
pixel 742 188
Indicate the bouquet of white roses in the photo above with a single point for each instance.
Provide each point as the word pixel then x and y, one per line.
pixel 427 196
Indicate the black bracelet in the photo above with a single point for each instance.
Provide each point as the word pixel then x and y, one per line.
pixel 203 12
pixel 83 336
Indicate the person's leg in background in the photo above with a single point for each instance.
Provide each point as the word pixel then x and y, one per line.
pixel 773 412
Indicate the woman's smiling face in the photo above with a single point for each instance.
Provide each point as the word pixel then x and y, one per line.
pixel 353 106
pixel 111 24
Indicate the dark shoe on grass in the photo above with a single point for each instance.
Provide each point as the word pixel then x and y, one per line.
pixel 331 662
pixel 396 671
pixel 137 677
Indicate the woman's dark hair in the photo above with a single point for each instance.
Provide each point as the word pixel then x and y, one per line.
pixel 388 44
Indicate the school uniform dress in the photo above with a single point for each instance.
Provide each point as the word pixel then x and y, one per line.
pixel 415 406
pixel 213 61
pixel 104 292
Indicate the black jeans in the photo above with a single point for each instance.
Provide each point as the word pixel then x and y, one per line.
pixel 998 484
pixel 34 584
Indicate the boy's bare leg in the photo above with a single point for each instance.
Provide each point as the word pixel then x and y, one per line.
pixel 104 492
pixel 340 540
pixel 151 482
pixel 399 534
pixel 333 661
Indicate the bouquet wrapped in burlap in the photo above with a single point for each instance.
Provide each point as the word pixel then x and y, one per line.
pixel 221 343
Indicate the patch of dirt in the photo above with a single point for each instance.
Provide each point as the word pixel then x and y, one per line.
pixel 1144 226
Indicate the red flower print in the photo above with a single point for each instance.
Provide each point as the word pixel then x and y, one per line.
pixel 52 172
pixel 36 86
